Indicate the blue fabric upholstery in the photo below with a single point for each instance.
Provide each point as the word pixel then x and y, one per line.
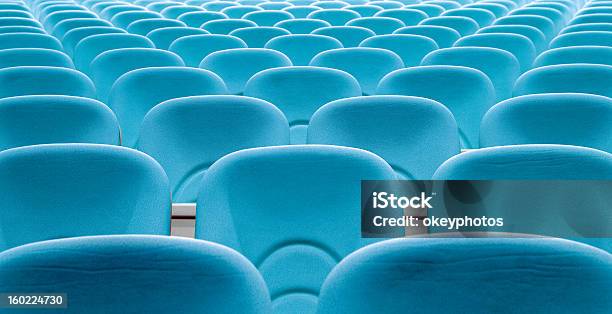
pixel 463 25
pixel 578 54
pixel 302 48
pixel 238 11
pixel 411 48
pixel 187 135
pixel 535 35
pixel 379 25
pixel 175 11
pixel 34 57
pixel 57 191
pixel 497 9
pixel 268 17
pixel 555 16
pixel 90 47
pixel 302 26
pixel 443 36
pixel 164 36
pixel 258 36
pixel 226 26
pixel 65 26
pixel 349 36
pixel 136 274
pixel 73 37
pixel 587 27
pixel 544 24
pixel 144 27
pixel 364 10
pixel 585 38
pixel 313 187
pixel 430 9
pixel 24 40
pixel 197 19
pixel 520 46
pixel 480 16
pixel 566 78
pixel 301 12
pixel 409 17
pixel 21 29
pixel 19 21
pixel 335 17
pixel 41 80
pixel 124 19
pixel 194 48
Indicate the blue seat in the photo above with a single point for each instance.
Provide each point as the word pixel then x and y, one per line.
pixel 443 36
pixel 65 26
pixel 34 57
pixel 429 139
pixel 302 26
pixel 300 91
pixel 606 27
pixel 187 135
pixel 41 80
pixel 430 9
pixel 330 4
pixel 124 19
pixel 108 12
pixel 194 48
pixel 19 21
pixel 335 17
pixel 43 119
pixel 380 62
pixel 302 48
pixel 409 17
pixel 163 37
pixel 301 12
pixel 535 35
pixel 238 11
pixel 586 38
pixel 226 26
pixel 497 9
pixel 544 24
pixel 450 274
pixel 592 18
pixel 279 5
pixel 558 19
pixel 571 119
pixel 90 47
pixel 72 38
pixel 258 36
pixel 314 187
pixel 447 5
pixel 364 10
pixel 144 27
pixel 379 25
pixel 29 40
pixel 268 17
pixel 174 12
pixel 109 66
pixel 136 92
pixel 197 19
pixel 579 54
pixel 467 93
pixel 55 18
pixel 587 11
pixel 349 36
pixel 481 16
pixel 463 25
pixel 387 4
pixel 500 66
pixel 159 6
pixel 21 29
pixel 218 279
pixel 56 191
pixel 237 66
pixel 564 8
pixel 411 48
pixel 566 78
pixel 13 6
pixel 520 46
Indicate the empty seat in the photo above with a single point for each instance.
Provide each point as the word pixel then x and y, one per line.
pixel 43 119
pixel 497 9
pixel 607 27
pixel 124 19
pixel 409 17
pixel 163 37
pixel 218 6
pixel 364 10
pixel 237 66
pixel 314 187
pixel 430 9
pixel 414 135
pixel 279 5
pixel 19 21
pixel 586 38
pixel 500 66
pixel 579 54
pixel 258 36
pixel 443 36
pixel 136 92
pixel 379 25
pixel 110 65
pixel 380 62
pixel 331 4
pixel 41 80
pixel 335 17
pixel 535 35
pixel 447 5
pixel 411 48
pixel 90 47
pixel 21 29
pixel 301 12
pixel 238 11
pixel 73 37
pixel 555 16
pixel 65 26
pixel 467 93
pixel 520 46
pixel 566 78
pixel 592 18
pixel 463 25
pixel 177 264
pixel 109 12
pixel 268 17
pixel 571 119
pixel 302 48
pixel 302 26
pixel 159 6
pixel 480 16
pixel 175 11
pixel 56 191
pixel 300 91
pixel 144 27
pixel 450 274
pixel 33 57
pixel 544 24
pixel 226 26
pixel 194 48
pixel 187 135
pixel 349 36
pixel 55 18
pixel 197 19
pixel 29 40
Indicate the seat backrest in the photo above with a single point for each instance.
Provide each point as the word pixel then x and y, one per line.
pixel 268 17
pixel 143 27
pixel 428 8
pixel 194 48
pixel 544 24
pixel 409 17
pixel 258 36
pixel 348 36
pixel 411 48
pixel 34 57
pixel 51 20
pixel 463 25
pixel 137 91
pixel 45 119
pixel 302 26
pixel 592 18
pixel 429 139
pixel 299 91
pixel 109 66
pixel 29 40
pixel 197 19
pixel 55 191
pixel 520 46
pixel 301 11
pixel 302 48
pixel 42 80
pixel 587 27
pixel 335 17
pixel 238 11
pixel 450 274
pixel 90 47
pixel 163 37
pixel 182 264
pixel 497 9
pixel 226 26
pixel 187 135
pixel 466 92
pixel 580 54
pixel 65 26
pixel 443 36
pixel 367 65
pixel 566 78
pixel 571 119
pixel 19 21
pixel 174 12
pixel 585 38
pixel 21 29
pixel 124 19
pixel 379 25
pixel 73 37
pixel 535 35
pixel 481 16
pixel 243 193
pixel 364 10
pixel 554 15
